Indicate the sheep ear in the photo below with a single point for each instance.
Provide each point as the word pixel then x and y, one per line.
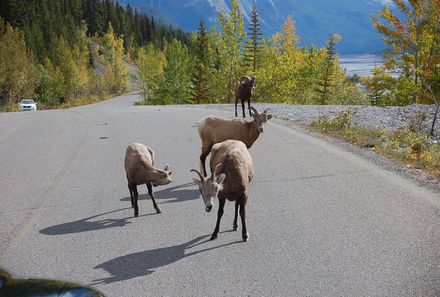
pixel 268 113
pixel 196 181
pixel 167 167
pixel 220 179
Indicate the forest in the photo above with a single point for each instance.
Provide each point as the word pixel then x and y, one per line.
pixel 63 51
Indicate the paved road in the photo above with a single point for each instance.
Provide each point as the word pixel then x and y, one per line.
pixel 322 221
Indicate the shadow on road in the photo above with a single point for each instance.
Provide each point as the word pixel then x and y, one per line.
pixel 143 263
pixel 177 193
pixel 86 224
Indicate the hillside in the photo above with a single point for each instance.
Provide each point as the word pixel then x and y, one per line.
pixel 316 20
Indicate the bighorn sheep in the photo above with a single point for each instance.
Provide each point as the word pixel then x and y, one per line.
pixel 243 92
pixel 214 129
pixel 231 171
pixel 139 162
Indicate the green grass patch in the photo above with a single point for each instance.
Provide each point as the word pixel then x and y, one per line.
pixel 405 145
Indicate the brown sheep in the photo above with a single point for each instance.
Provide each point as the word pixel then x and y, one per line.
pixel 139 167
pixel 231 171
pixel 214 129
pixel 244 91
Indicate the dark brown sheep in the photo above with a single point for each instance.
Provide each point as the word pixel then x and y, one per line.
pixel 243 92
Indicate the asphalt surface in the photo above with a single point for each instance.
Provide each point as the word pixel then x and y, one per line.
pixel 322 221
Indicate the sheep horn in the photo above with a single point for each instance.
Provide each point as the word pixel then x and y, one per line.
pixel 243 78
pixel 201 176
pixel 254 110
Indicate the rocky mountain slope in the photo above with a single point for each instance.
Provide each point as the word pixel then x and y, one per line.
pixel 316 20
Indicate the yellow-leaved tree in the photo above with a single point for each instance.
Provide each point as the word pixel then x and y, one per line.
pixel 116 71
pixel 150 62
pixel 233 35
pixel 411 57
pixel 18 73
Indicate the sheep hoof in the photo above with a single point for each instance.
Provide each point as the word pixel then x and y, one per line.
pixel 158 210
pixel 235 228
pixel 214 236
pixel 246 237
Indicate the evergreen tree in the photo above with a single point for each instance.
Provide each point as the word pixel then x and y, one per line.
pixel 201 65
pixel 253 45
pixel 328 68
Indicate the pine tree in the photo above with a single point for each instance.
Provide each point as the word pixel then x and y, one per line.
pixel 201 65
pixel 253 46
pixel 329 68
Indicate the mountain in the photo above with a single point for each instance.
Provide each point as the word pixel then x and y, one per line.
pixel 315 20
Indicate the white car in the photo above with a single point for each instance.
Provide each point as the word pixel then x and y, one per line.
pixel 27 105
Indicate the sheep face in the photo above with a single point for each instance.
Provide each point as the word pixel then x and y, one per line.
pixel 164 177
pixel 253 79
pixel 209 187
pixel 261 118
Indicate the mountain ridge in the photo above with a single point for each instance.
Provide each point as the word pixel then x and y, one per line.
pixel 315 20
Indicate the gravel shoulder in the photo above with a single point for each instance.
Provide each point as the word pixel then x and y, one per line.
pixel 389 118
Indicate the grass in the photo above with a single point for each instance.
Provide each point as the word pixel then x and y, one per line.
pixel 407 146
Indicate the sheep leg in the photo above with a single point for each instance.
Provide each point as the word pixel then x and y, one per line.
pixel 219 217
pixel 150 192
pixel 244 235
pixel 135 200
pixel 249 107
pixel 235 225
pixel 236 101
pixel 242 108
pixel 131 194
pixel 205 152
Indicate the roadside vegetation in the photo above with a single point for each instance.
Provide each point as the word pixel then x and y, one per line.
pixel 69 50
pixel 411 145
pixel 65 53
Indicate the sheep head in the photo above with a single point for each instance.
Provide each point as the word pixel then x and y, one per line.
pixel 253 79
pixel 261 118
pixel 163 176
pixel 210 186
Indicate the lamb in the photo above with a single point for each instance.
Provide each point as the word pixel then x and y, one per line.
pixel 139 167
pixel 231 171
pixel 214 129
pixel 244 91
